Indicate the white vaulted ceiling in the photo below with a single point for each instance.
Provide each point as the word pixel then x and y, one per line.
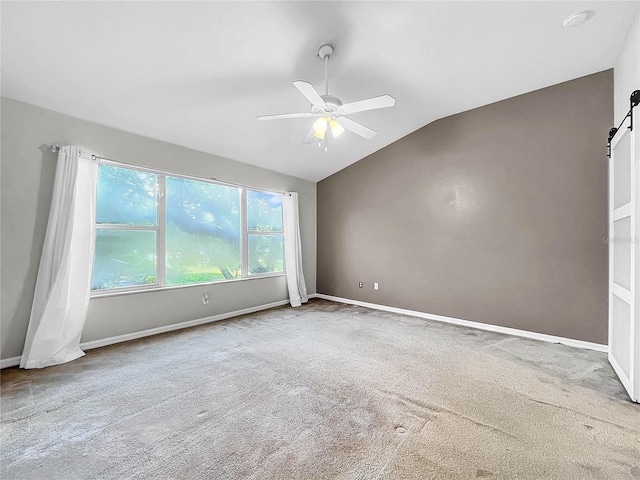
pixel 198 73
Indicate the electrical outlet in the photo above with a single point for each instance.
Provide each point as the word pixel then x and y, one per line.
pixel 205 298
pixel 375 286
pixel 360 285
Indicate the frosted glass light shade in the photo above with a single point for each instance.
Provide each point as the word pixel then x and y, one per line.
pixel 336 128
pixel 320 127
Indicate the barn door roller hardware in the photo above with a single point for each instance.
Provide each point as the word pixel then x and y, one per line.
pixel 634 100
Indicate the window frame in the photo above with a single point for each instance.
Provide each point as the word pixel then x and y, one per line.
pixel 160 229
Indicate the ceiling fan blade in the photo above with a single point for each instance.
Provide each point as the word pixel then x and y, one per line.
pixel 310 92
pixel 309 138
pixel 285 115
pixel 357 128
pixel 383 101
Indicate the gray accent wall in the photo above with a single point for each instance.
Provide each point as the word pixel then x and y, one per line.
pixel 27 174
pixel 496 215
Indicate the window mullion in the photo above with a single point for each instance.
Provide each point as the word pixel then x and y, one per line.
pixel 115 226
pixel 244 238
pixel 258 232
pixel 161 237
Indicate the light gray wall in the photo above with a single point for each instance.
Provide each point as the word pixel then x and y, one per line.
pixel 627 72
pixel 495 215
pixel 27 174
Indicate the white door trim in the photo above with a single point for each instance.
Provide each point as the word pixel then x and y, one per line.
pixel 624 345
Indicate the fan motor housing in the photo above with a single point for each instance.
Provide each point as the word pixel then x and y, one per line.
pixel 331 105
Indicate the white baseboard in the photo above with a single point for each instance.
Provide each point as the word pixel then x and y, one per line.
pixel 9 362
pixel 103 342
pixel 467 323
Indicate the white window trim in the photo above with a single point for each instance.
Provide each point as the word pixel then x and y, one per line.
pixel 160 229
pixel 114 292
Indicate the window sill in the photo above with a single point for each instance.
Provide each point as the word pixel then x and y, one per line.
pixel 117 293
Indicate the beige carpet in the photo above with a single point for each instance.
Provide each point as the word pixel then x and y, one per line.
pixel 320 392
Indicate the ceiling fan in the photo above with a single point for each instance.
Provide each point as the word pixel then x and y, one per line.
pixel 330 110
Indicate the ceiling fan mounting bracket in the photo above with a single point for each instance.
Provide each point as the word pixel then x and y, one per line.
pixel 325 51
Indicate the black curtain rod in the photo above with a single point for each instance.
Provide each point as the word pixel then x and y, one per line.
pixel 634 100
pixel 177 174
pixel 56 148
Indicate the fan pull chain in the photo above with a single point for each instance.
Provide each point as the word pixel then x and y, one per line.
pixel 326 142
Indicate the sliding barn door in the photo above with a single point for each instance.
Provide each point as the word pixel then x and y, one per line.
pixel 624 328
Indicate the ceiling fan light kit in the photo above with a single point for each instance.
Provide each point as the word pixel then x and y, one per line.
pixel 320 127
pixel 330 109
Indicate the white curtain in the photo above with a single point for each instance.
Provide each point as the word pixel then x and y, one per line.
pixel 293 251
pixel 63 285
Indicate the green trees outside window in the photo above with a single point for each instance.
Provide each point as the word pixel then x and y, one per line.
pixel 154 229
pixel 264 232
pixel 203 232
pixel 126 228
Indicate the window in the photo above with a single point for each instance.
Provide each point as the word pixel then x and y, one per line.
pixel 203 232
pixel 264 233
pixel 126 228
pixel 155 230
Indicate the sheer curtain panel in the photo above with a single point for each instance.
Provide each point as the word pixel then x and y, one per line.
pixel 293 251
pixel 63 285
